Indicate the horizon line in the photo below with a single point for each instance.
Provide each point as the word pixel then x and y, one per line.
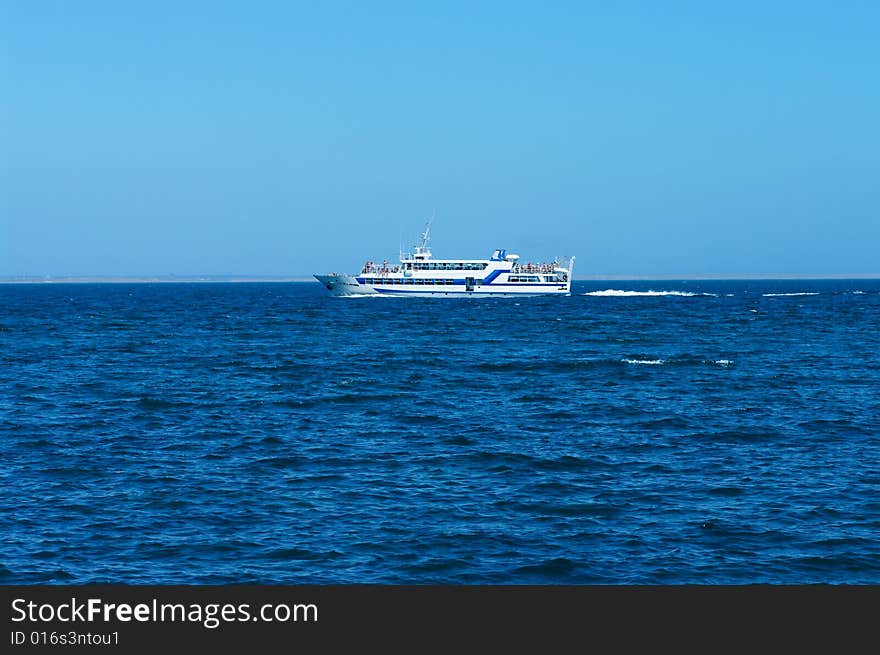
pixel 171 279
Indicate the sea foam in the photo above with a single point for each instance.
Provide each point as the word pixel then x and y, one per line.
pixel 619 293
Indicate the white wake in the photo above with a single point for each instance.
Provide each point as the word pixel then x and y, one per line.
pixel 619 293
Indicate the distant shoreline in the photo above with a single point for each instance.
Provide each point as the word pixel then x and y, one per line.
pixel 214 279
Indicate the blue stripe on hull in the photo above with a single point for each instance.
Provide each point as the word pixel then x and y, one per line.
pixel 494 274
pixel 497 291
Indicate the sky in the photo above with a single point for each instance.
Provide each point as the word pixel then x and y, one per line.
pixel 288 138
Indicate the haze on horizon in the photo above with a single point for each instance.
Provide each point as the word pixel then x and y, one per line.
pixel 284 139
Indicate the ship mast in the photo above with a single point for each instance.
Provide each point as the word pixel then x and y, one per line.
pixel 422 250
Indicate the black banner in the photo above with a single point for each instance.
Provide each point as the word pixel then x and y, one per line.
pixel 152 618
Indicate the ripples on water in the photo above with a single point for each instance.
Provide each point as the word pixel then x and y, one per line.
pixel 213 433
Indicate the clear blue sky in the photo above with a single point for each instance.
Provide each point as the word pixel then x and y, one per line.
pixel 284 138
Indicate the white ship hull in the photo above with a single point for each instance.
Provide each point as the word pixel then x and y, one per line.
pixel 348 285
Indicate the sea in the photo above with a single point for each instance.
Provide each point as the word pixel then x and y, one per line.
pixel 636 432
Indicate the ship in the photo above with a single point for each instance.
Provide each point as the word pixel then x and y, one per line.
pixel 420 275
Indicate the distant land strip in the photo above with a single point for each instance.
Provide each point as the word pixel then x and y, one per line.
pixel 171 279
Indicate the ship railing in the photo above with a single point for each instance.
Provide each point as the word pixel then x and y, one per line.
pixel 380 270
pixel 543 267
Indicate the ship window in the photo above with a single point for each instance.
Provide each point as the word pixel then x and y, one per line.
pixel 420 281
pixel 479 281
pixel 450 281
pixel 408 280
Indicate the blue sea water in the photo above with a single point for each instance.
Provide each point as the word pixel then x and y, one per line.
pixel 728 432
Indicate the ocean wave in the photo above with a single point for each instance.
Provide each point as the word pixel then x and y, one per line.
pixel 644 361
pixel 799 293
pixel 557 566
pixel 619 293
